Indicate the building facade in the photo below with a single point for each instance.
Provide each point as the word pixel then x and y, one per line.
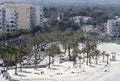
pixel 36 15
pixel 81 19
pixel 20 16
pixel 113 27
pixel 8 19
pixel 87 28
pixel 2 18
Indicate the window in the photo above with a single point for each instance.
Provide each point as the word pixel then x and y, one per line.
pixel 8 30
pixel 12 26
pixel 12 21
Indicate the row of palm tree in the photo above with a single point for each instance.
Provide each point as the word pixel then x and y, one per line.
pixel 90 51
pixel 69 39
pixel 52 51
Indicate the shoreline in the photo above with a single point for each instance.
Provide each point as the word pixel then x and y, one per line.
pixel 102 74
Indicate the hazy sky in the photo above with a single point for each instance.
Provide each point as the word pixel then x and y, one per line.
pixel 72 1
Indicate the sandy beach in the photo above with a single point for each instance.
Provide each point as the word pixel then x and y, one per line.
pixel 66 72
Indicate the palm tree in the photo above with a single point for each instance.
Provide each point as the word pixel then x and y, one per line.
pixel 107 55
pixel 6 54
pixel 87 49
pixel 2 55
pixel 96 53
pixel 21 54
pixel 93 47
pixel 75 50
pixel 65 39
pixel 80 58
pixel 83 51
pixel 69 47
pixel 79 35
pixel 103 53
pixel 52 51
pixel 15 52
pixel 90 55
pixel 35 56
pixel 9 51
pixel 55 50
pixel 41 39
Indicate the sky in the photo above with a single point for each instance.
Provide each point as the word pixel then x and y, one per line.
pixel 86 2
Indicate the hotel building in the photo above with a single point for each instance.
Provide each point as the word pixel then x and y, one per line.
pixel 19 16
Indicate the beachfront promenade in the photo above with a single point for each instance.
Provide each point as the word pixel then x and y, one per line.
pixel 66 72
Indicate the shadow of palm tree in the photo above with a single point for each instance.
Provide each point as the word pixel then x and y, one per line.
pixel 54 69
pixel 57 65
pixel 25 71
pixel 20 75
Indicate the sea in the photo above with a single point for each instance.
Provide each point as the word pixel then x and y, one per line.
pixel 112 77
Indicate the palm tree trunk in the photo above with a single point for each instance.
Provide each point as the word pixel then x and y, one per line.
pixel 96 59
pixel 87 59
pixel 20 66
pixel 35 61
pixel 65 50
pixel 69 53
pixel 4 64
pixel 52 60
pixel 16 69
pixel 16 66
pixel 49 62
pixel 90 60
pixel 107 59
pixel 80 63
pixel 103 60
pixel 40 45
pixel 75 60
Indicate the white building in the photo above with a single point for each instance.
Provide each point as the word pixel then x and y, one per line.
pixel 87 28
pixel 15 16
pixel 36 15
pixel 8 19
pixel 2 18
pixel 113 27
pixel 81 19
pixel 11 20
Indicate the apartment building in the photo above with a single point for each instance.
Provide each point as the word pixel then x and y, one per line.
pixel 23 16
pixel 2 18
pixel 8 19
pixel 113 27
pixel 36 15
